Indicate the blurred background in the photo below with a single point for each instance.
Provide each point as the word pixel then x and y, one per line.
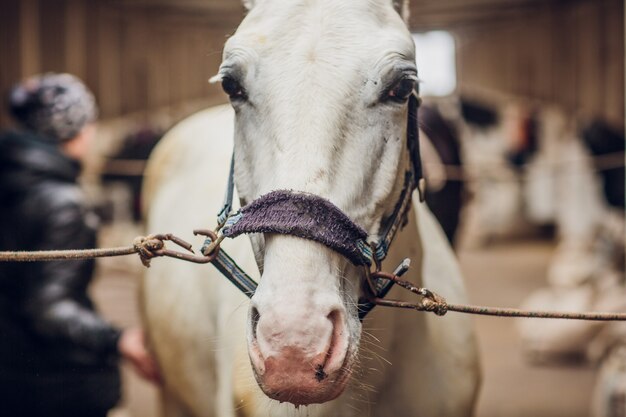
pixel 531 97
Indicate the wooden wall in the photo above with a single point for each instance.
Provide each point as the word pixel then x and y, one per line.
pixel 140 58
pixel 570 53
pixel 135 59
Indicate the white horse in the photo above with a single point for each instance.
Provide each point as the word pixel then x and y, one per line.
pixel 319 90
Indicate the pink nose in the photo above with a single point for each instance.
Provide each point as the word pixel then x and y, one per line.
pixel 300 358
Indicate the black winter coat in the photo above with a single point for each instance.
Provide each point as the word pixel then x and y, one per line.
pixel 50 333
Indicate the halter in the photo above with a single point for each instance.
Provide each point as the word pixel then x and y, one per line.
pixel 312 217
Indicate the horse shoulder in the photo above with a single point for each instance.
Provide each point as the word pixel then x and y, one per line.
pixel 453 335
pixel 183 304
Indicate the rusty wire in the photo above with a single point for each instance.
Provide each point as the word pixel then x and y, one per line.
pixel 432 302
pixel 147 247
pixel 152 246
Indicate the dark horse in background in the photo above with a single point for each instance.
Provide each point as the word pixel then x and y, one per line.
pixel 446 202
pixel 602 139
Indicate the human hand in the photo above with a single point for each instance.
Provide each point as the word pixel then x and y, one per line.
pixel 132 347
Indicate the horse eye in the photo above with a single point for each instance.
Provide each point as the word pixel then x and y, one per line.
pixel 234 90
pixel 402 90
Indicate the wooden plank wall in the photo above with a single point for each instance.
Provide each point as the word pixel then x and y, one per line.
pixel 134 59
pixel 567 53
pixel 139 59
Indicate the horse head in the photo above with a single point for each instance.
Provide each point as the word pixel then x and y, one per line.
pixel 320 90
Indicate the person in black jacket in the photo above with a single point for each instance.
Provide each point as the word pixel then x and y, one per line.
pixel 58 356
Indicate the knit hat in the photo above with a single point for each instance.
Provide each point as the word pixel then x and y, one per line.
pixel 56 106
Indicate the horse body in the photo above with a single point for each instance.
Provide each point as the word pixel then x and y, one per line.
pixel 196 318
pixel 355 61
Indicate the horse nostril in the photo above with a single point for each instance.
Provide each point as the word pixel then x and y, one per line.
pixel 338 343
pixel 258 362
pixel 335 318
pixel 254 320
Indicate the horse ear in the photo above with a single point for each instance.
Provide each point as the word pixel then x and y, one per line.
pixel 402 7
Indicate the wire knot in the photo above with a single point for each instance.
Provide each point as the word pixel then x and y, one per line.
pixel 433 302
pixel 211 246
pixel 148 247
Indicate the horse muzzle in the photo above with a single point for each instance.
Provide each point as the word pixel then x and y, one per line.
pixel 300 358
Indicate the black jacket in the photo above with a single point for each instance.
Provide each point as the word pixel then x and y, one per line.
pixel 48 324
